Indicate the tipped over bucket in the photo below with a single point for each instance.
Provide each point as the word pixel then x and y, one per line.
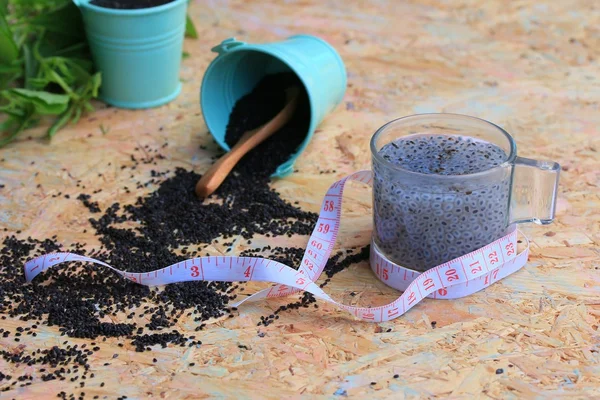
pixel 240 66
pixel 137 51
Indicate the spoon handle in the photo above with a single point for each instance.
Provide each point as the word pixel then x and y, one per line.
pixel 213 178
pixel 217 173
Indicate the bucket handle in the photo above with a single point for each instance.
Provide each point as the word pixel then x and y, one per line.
pixel 226 45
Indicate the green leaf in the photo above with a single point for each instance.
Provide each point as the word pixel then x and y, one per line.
pixel 67 12
pixel 96 81
pixel 14 109
pixel 59 123
pixel 9 73
pixel 190 29
pixel 31 66
pixel 185 55
pixel 88 107
pixel 77 115
pixel 62 28
pixel 77 50
pixel 10 69
pixel 43 102
pixel 8 49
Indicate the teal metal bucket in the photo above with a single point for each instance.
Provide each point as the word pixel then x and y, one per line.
pixel 240 66
pixel 137 51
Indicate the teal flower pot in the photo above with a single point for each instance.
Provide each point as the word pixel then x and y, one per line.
pixel 138 52
pixel 239 66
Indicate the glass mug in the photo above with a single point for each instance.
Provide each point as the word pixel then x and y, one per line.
pixel 423 220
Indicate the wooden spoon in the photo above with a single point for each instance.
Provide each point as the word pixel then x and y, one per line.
pixel 213 178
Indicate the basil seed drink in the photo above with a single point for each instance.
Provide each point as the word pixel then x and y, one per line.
pixel 420 224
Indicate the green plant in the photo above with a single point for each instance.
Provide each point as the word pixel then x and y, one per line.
pixel 45 65
pixel 46 69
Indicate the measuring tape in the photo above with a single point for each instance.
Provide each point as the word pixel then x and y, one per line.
pixel 456 278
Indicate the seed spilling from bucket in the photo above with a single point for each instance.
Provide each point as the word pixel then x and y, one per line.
pixel 421 224
pixel 258 107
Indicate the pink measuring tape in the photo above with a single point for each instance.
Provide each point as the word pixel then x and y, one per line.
pixel 456 278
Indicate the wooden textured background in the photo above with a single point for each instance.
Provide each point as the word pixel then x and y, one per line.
pixel 531 67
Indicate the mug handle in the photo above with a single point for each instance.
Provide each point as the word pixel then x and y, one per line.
pixel 534 191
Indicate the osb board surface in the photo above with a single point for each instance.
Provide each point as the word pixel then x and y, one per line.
pixel 530 67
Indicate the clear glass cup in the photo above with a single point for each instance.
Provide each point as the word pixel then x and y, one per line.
pixel 423 220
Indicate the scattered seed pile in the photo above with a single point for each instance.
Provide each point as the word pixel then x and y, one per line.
pixel 129 4
pixel 165 226
pixel 419 225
